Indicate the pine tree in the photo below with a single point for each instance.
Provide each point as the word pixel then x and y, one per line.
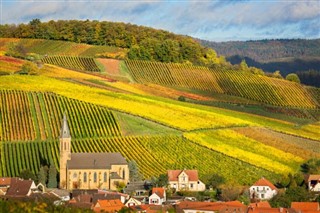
pixel 42 176
pixel 52 183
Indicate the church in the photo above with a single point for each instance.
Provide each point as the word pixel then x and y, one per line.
pixel 89 170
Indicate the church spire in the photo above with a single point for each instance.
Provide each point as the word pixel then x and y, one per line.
pixel 65 132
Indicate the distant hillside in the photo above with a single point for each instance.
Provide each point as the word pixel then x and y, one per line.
pixel 142 43
pixel 286 55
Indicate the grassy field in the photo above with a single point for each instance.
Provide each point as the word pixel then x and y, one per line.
pixel 144 122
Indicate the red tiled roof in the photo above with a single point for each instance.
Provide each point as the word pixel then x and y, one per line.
pixel 19 187
pixel 312 206
pixel 261 204
pixel 173 174
pixel 313 177
pixel 158 191
pixel 213 206
pixel 108 205
pixel 151 208
pixel 264 182
pixel 267 210
pixel 6 181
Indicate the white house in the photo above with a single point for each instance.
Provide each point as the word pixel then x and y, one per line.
pixel 158 196
pixel 314 183
pixel 185 180
pixel 263 189
pixel 133 202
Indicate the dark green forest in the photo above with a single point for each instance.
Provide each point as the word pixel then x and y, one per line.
pixel 267 50
pixel 143 43
pixel 299 56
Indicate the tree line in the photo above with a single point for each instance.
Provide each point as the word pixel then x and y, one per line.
pixel 143 43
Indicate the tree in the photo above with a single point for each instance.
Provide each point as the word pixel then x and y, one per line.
pixel 27 174
pixel 215 181
pixel 293 77
pixel 42 176
pixel 160 181
pixel 312 166
pixel 52 183
pixel 243 65
pixel 277 74
pixel 135 175
pixel 29 68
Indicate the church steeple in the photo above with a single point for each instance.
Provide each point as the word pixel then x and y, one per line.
pixel 65 151
pixel 65 132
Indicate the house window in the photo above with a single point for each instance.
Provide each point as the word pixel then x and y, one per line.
pixel 95 177
pixel 174 185
pixel 85 177
pixel 105 177
pixel 191 185
pixel 262 196
pixel 257 189
pixel 154 201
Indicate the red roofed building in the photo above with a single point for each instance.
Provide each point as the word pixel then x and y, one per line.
pixel 108 206
pixel 306 207
pixel 210 207
pixel 158 196
pixel 263 189
pixel 185 180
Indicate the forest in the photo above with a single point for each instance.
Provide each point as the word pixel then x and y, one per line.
pixel 300 56
pixel 143 43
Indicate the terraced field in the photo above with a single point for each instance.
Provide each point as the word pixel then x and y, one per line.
pixel 152 153
pixel 266 90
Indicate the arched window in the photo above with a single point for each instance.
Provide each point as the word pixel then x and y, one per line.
pixel 95 177
pixel 85 177
pixel 123 174
pixel 105 177
pixel 65 146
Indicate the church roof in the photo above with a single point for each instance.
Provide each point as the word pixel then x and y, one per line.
pixel 95 160
pixel 65 132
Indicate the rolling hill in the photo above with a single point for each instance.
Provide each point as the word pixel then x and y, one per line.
pixel 162 115
pixel 287 55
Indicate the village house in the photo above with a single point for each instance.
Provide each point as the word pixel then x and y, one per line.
pixel 89 170
pixel 108 206
pixel 263 189
pixel 17 187
pixel 314 183
pixel 158 196
pixel 210 207
pixel 306 207
pixel 185 180
pixel 133 202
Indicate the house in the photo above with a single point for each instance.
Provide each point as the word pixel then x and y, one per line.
pixel 89 170
pixel 21 188
pixel 158 196
pixel 305 207
pixel 263 189
pixel 108 206
pixel 314 183
pixel 185 180
pixel 4 185
pixel 152 208
pixel 137 188
pixel 210 207
pixel 133 202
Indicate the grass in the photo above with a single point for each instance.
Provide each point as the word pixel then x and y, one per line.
pixel 134 125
